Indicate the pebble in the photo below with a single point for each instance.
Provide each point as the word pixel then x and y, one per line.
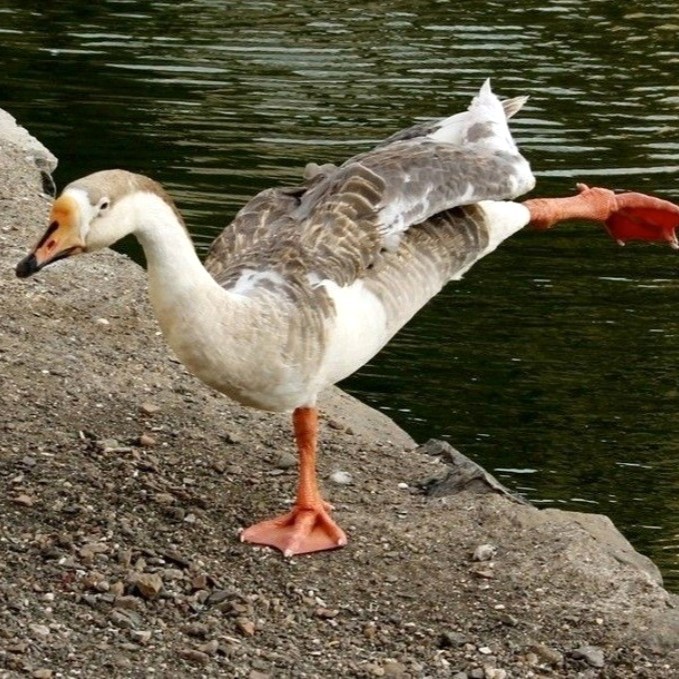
pixel 484 552
pixel 592 655
pixel 164 499
pixel 41 673
pixel 125 619
pixel 210 648
pixel 452 640
pixel 145 440
pixel 25 500
pixel 341 478
pixel 192 655
pixel 394 669
pixel 40 630
pixel 286 461
pixel 141 636
pixel 149 408
pixel 546 654
pixel 246 626
pixel 495 673
pixel 148 584
pixel 326 613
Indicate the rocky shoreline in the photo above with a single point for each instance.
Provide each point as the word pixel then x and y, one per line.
pixel 125 481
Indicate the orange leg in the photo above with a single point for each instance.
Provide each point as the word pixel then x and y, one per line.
pixel 309 526
pixel 595 204
pixel 626 216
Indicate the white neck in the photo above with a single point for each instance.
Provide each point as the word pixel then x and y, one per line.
pixel 195 313
pixel 171 258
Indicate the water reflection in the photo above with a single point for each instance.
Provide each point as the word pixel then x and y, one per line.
pixel 555 360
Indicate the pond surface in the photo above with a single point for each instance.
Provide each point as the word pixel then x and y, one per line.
pixel 554 362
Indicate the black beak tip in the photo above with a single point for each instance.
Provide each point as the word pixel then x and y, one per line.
pixel 27 266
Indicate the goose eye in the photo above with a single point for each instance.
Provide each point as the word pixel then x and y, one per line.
pixel 103 205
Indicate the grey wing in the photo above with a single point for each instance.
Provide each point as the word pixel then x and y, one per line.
pixel 256 224
pixel 391 189
pixel 337 228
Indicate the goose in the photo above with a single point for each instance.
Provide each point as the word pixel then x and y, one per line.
pixel 309 282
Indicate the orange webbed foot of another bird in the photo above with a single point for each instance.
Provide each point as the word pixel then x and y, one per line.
pixel 300 531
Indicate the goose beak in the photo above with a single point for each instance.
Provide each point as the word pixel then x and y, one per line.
pixel 60 240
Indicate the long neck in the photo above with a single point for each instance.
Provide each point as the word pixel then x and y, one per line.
pixel 171 258
pixel 185 297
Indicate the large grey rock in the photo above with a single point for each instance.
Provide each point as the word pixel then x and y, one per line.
pixel 11 132
pixel 15 138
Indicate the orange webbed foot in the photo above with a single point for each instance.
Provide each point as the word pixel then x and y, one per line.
pixel 300 531
pixel 640 217
pixel 626 216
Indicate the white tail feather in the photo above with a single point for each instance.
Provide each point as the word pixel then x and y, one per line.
pixel 483 124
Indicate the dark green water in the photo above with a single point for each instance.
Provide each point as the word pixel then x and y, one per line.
pixel 554 362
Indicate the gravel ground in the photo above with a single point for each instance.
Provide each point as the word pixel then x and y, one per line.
pixel 124 481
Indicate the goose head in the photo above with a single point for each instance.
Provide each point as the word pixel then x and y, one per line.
pixel 90 214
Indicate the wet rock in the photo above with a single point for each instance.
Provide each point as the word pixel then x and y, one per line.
pixel 462 474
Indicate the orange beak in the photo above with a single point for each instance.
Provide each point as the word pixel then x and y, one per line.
pixel 60 240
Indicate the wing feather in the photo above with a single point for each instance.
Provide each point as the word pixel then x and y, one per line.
pixel 336 224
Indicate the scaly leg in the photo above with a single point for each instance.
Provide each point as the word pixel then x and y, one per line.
pixel 626 216
pixel 309 526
